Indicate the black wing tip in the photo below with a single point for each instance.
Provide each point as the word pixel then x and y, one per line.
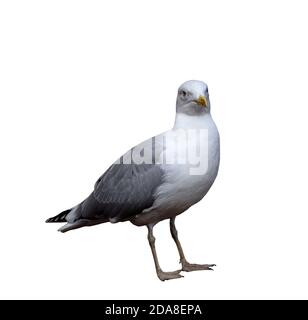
pixel 61 217
pixel 52 219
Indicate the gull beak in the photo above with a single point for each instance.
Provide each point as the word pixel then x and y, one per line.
pixel 202 101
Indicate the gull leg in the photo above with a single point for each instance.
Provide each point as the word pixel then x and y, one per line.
pixel 161 274
pixel 186 266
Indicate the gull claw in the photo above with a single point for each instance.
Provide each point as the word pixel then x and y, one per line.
pixel 188 267
pixel 169 275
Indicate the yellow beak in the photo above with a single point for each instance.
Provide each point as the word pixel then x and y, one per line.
pixel 202 101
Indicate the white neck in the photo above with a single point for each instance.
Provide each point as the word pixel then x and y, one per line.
pixel 192 122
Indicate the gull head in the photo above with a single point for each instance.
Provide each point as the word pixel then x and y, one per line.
pixel 193 98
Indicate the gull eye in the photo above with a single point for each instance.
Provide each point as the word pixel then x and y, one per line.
pixel 183 93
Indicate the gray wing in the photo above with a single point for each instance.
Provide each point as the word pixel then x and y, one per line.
pixel 124 190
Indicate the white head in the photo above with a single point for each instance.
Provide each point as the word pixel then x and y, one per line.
pixel 193 98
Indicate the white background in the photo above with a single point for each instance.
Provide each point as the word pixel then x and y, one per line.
pixel 83 81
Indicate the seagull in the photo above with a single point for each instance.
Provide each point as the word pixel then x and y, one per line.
pixel 158 179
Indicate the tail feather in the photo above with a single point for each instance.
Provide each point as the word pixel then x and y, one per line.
pixel 81 223
pixel 61 217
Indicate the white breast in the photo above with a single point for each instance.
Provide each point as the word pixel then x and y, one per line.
pixel 183 186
